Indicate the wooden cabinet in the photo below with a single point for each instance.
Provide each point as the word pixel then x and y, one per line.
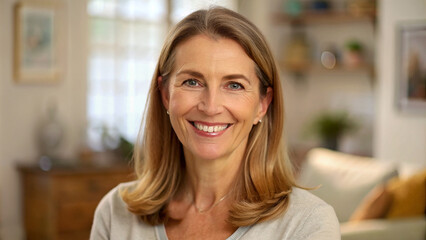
pixel 60 203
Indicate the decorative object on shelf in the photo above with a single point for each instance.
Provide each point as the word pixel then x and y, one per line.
pixel 411 71
pixel 329 57
pixel 110 137
pixel 50 135
pixel 293 8
pixel 37 42
pixel 105 146
pixel 114 142
pixel 362 7
pixel 45 163
pixel 353 57
pixel 320 5
pixel 330 126
pixel 297 57
pixel 125 149
pixel 304 13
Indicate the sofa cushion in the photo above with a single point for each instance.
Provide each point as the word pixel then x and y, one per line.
pixel 375 205
pixel 385 229
pixel 344 179
pixel 409 196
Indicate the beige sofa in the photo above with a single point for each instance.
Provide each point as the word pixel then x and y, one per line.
pixel 360 191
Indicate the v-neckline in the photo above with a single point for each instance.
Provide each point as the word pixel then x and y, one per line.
pixel 160 232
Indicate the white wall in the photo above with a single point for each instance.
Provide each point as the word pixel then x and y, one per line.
pixel 22 106
pixel 2 70
pixel 257 11
pixel 398 137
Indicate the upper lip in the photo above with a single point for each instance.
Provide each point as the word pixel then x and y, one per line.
pixel 209 123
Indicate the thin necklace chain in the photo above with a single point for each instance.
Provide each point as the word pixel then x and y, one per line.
pixel 211 207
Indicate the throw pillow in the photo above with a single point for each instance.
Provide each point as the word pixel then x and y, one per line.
pixel 409 196
pixel 375 205
pixel 345 179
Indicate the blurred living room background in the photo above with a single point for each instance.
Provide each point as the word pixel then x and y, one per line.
pixel 74 76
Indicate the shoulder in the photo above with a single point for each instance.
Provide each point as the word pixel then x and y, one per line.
pixel 113 220
pixel 305 204
pixel 112 203
pixel 113 197
pixel 307 217
pixel 303 198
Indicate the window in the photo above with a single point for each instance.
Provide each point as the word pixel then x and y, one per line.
pixel 125 40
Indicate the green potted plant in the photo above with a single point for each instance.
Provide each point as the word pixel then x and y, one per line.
pixel 330 126
pixel 353 54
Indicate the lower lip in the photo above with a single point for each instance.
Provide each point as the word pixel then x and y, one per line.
pixel 209 134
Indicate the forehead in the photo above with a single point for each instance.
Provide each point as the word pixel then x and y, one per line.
pixel 202 49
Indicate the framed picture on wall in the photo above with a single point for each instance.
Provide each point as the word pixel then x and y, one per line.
pixel 36 39
pixel 411 67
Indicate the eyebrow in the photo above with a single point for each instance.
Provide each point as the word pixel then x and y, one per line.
pixel 192 73
pixel 227 77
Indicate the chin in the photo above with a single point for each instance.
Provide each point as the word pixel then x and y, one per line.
pixel 209 156
pixel 208 153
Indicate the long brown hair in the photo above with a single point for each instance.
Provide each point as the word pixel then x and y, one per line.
pixel 266 178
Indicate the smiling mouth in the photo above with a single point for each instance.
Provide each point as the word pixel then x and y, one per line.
pixel 210 128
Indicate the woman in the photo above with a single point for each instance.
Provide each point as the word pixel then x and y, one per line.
pixel 211 163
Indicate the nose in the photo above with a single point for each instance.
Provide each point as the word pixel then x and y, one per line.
pixel 211 102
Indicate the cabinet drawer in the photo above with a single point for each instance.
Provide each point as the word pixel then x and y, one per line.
pixel 60 204
pixel 83 235
pixel 74 217
pixel 86 187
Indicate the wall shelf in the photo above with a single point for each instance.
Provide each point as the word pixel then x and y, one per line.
pixel 323 17
pixel 339 69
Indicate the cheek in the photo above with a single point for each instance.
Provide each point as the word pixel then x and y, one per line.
pixel 180 101
pixel 243 107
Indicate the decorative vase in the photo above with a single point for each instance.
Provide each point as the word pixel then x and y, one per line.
pixel 297 53
pixel 50 135
pixel 353 59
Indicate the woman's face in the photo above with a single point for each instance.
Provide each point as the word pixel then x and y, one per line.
pixel 213 97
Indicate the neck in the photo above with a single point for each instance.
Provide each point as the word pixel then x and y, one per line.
pixel 203 210
pixel 209 183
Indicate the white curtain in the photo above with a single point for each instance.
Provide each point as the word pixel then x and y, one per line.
pixel 126 37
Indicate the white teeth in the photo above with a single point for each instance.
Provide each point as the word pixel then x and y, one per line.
pixel 210 129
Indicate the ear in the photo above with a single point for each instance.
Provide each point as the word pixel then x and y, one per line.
pixel 164 92
pixel 265 101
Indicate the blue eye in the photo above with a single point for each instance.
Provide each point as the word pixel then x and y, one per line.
pixel 235 86
pixel 191 83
